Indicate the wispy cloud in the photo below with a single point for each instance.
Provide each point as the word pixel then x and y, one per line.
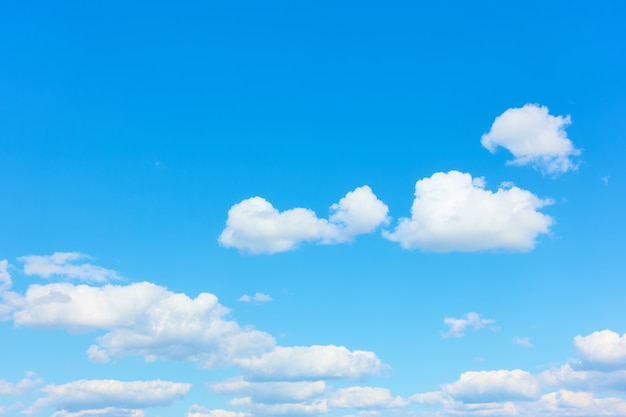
pixel 470 321
pixel 66 265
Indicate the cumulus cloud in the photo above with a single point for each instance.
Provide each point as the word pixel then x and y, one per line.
pixel 605 349
pixel 257 298
pixel 270 392
pixel 68 265
pixel 454 212
pixel 534 137
pixel 89 396
pixel 365 397
pixel 297 409
pixel 458 327
pixel 581 404
pixel 310 363
pixel 255 226
pixel 143 319
pixel 198 411
pixel 493 386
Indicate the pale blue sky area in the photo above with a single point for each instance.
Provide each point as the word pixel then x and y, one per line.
pixel 250 209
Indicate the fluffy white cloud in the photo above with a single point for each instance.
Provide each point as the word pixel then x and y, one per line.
pixel 270 392
pixel 298 409
pixel 602 349
pixel 66 265
pixel 5 277
pixel 453 212
pixel 255 226
pixel 310 363
pixel 582 380
pixel 534 137
pixel 493 386
pixel 469 321
pixel 579 404
pixel 257 298
pixel 365 397
pixel 143 319
pixel 198 411
pixel 79 396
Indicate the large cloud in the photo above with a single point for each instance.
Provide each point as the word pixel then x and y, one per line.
pixel 311 362
pixel 143 319
pixel 66 265
pixel 453 212
pixel 255 226
pixel 94 395
pixel 493 386
pixel 534 137
pixel 365 397
pixel 605 349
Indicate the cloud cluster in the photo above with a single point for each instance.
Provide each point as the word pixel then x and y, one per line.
pixel 451 212
pixel 255 226
pixel 454 212
pixel 534 137
pixel 107 397
pixel 468 321
pixel 69 265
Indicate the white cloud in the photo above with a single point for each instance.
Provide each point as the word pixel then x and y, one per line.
pixel 107 394
pixel 523 342
pixel 580 404
pixel 365 397
pixel 5 277
pixel 453 212
pixel 198 411
pixel 19 388
pixel 101 412
pixel 493 386
pixel 270 392
pixel 5 409
pixel 534 137
pixel 469 321
pixel 255 226
pixel 143 319
pixel 602 349
pixel 258 298
pixel 66 265
pixel 313 408
pixel 577 380
pixel 311 362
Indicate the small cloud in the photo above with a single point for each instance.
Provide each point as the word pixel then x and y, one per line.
pixel 523 342
pixel 257 298
pixel 605 180
pixel 535 138
pixel 470 321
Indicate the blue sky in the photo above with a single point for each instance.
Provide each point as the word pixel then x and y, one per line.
pixel 242 209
